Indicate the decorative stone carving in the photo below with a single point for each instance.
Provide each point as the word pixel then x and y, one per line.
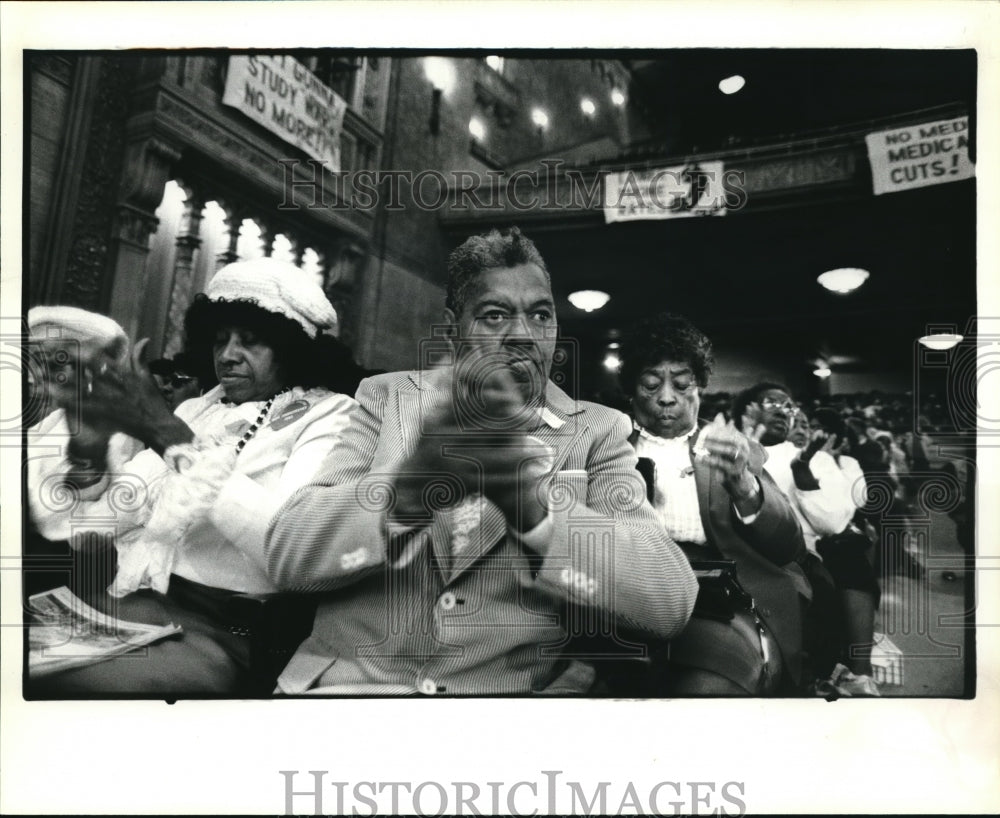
pixel 267 234
pixel 199 129
pixel 802 171
pixel 88 260
pixel 189 118
pixel 148 166
pixel 344 260
pixel 234 220
pixel 135 226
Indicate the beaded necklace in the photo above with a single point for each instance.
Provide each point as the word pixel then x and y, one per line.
pixel 248 435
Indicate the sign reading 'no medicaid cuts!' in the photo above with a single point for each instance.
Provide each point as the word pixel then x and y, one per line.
pixel 933 153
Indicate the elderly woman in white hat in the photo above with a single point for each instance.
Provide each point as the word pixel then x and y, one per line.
pixel 189 495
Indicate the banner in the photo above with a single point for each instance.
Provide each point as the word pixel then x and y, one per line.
pixel 695 189
pixel 920 155
pixel 280 93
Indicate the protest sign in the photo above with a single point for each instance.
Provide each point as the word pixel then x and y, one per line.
pixel 280 93
pixel 920 155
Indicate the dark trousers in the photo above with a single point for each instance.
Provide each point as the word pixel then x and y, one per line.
pixel 823 630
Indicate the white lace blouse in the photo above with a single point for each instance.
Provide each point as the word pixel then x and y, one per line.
pixel 201 511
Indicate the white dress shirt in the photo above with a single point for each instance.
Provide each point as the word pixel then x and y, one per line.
pixel 675 493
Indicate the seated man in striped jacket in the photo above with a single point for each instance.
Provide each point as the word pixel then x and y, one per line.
pixel 470 505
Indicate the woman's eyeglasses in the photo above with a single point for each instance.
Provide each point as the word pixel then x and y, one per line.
pixel 177 381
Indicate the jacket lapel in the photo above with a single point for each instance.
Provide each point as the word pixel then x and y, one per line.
pixel 704 483
pixel 478 525
pixel 409 418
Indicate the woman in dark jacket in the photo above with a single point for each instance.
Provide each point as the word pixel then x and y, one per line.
pixel 716 501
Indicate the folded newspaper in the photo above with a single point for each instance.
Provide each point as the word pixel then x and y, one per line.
pixel 67 633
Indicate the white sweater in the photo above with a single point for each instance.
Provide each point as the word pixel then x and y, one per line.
pixel 828 509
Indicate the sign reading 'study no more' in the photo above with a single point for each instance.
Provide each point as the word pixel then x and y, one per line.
pixel 280 93
pixel 919 155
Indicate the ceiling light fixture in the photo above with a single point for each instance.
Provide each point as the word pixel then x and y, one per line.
pixel 477 129
pixel 941 340
pixel 612 362
pixel 844 279
pixel 589 300
pixel 540 118
pixel 730 85
pixel 587 106
pixel 440 73
pixel 617 97
pixel 822 372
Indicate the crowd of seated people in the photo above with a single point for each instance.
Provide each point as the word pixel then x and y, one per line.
pixel 466 529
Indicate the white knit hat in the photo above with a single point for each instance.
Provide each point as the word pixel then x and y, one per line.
pixel 94 331
pixel 75 323
pixel 276 286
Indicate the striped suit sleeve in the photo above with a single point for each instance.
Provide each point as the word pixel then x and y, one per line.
pixel 331 533
pixel 609 550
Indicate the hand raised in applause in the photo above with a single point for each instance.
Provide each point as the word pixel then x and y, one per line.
pixel 477 437
pixel 738 456
pixel 122 397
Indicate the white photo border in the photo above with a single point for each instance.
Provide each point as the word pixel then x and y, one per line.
pixel 224 757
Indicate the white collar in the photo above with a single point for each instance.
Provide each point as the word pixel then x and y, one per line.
pixel 550 418
pixel 681 440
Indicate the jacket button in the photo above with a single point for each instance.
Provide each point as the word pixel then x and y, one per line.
pixel 447 600
pixel 428 687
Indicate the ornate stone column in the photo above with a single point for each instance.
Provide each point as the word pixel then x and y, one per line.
pixel 234 220
pixel 298 248
pixel 267 234
pixel 343 262
pixel 188 241
pixel 147 169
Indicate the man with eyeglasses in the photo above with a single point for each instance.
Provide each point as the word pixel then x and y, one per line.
pixel 817 488
pixel 173 378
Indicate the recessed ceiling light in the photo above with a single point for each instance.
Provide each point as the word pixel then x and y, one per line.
pixel 843 280
pixel 539 117
pixel 589 300
pixel 612 362
pixel 587 106
pixel 941 340
pixel 730 85
pixel 822 372
pixel 617 97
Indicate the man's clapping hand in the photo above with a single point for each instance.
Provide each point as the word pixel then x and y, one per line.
pixel 477 436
